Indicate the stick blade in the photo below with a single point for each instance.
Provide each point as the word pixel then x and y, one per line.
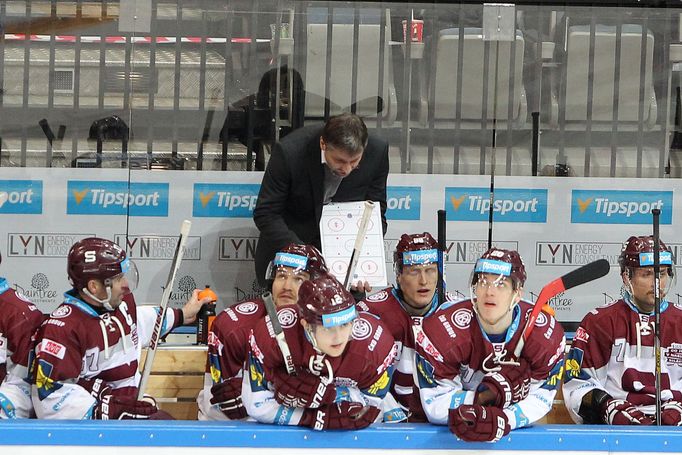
pixel 586 273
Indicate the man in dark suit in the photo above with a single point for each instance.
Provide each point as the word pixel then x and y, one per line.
pixel 312 166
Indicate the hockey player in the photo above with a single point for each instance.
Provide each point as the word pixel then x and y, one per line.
pixel 89 348
pixel 228 339
pixel 19 319
pixel 402 309
pixel 342 363
pixel 610 368
pixel 468 377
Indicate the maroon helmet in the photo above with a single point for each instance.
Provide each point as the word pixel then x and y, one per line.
pixel 425 246
pixel 94 258
pixel 638 251
pixel 324 301
pixel 498 261
pixel 305 258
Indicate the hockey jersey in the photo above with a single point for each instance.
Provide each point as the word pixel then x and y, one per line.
pixel 387 306
pixel 613 350
pixel 361 374
pixel 453 354
pixel 19 319
pixel 228 348
pixel 78 341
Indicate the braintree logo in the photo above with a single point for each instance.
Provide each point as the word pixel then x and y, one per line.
pixel 40 290
pixel 116 198
pixel 186 285
pixel 515 205
pixel 224 200
pixel 21 196
pixel 403 202
pixel 620 207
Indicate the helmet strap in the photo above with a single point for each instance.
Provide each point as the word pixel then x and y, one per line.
pixel 104 302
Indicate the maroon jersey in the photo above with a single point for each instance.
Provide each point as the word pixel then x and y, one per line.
pixel 453 354
pixel 362 373
pixel 228 349
pixel 19 319
pixel 613 351
pixel 387 305
pixel 79 341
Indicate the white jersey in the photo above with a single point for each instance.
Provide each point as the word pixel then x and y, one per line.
pixel 613 351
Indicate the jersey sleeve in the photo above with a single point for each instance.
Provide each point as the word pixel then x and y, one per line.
pixel 58 364
pixel 437 371
pixel 146 318
pixel 586 364
pixel 257 392
pixel 544 352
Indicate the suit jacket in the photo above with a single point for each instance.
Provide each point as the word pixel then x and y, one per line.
pixel 289 205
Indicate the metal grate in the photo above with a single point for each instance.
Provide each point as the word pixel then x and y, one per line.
pixel 63 80
pixel 140 80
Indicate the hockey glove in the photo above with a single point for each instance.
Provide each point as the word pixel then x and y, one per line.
pixel 622 412
pixel 305 391
pixel 97 388
pixel 671 413
pixel 341 416
pixel 118 408
pixel 508 386
pixel 228 396
pixel 476 423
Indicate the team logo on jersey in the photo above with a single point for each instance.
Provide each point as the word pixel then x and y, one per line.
pixel 44 383
pixel 673 354
pixel 61 312
pixel 255 350
pixel 380 387
pixel 424 373
pixel 581 335
pixel 574 362
pixel 554 378
pixel 53 348
pixel 256 379
pixel 361 329
pixel 246 308
pixel 216 372
pixel 542 320
pixel 287 317
pixel 378 297
pixel 462 318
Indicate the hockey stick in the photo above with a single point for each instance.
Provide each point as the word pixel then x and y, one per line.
pixel 657 310
pixel 279 333
pixel 359 240
pixel 156 333
pixel 581 275
pixel 442 240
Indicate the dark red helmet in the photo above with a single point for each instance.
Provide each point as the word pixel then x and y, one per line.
pixel 638 252
pixel 324 301
pixel 94 258
pixel 498 261
pixel 304 258
pixel 409 243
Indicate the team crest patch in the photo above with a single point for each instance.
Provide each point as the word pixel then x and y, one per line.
pixel 542 320
pixel 462 318
pixel 61 312
pixel 378 297
pixel 287 317
pixel 246 308
pixel 361 329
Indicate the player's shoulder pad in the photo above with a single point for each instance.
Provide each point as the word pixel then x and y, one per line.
pixel 370 334
pixel 247 309
pixel 451 318
pixel 376 302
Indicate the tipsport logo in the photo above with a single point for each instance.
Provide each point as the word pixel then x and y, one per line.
pixel 21 196
pixel 224 200
pixel 512 205
pixel 403 202
pixel 116 198
pixel 620 207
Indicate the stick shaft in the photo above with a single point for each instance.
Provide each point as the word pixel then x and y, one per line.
pixel 657 310
pixel 279 333
pixel 359 240
pixel 442 240
pixel 156 333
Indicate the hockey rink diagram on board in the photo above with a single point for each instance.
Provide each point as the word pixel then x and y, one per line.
pixel 339 226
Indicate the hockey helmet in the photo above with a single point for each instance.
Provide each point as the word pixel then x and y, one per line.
pixel 638 251
pixel 324 301
pixel 95 258
pixel 505 263
pixel 301 258
pixel 415 249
